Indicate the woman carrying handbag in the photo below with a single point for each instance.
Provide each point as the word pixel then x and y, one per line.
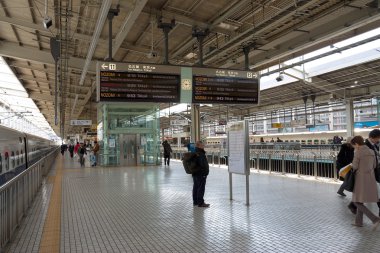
pixel 365 190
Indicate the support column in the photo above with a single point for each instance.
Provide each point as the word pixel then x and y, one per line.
pixel 105 135
pixel 166 28
pixel 246 56
pixel 200 35
pixel 350 117
pixel 265 126
pixel 195 123
pixel 111 14
pixel 378 110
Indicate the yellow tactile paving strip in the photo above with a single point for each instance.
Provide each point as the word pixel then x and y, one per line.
pixel 51 235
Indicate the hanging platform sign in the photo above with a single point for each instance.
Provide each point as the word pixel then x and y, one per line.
pixel 138 82
pixel 81 122
pixel 179 122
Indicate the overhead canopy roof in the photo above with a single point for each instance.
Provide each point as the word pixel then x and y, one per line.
pixel 276 31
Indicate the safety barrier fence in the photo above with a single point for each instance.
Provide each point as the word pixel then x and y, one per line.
pixel 17 195
pixel 318 164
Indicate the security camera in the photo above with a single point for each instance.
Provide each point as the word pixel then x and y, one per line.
pixel 152 55
pixel 280 78
pixel 47 22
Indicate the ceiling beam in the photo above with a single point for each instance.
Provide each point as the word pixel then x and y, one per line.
pixel 13 50
pixel 280 49
pixel 226 13
pixel 126 26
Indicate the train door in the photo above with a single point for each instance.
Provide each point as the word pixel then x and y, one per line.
pixel 128 150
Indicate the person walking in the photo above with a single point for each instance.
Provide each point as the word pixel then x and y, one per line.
pixel 71 150
pixel 63 148
pixel 365 189
pixel 373 143
pixel 200 176
pixel 76 147
pixel 81 153
pixel 344 158
pixel 167 151
pixel 96 152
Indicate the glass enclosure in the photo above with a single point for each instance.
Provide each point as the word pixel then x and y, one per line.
pixel 129 134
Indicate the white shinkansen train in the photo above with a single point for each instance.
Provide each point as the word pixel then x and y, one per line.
pixel 18 151
pixel 304 138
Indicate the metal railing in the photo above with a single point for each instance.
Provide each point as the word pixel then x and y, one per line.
pixel 319 162
pixel 17 195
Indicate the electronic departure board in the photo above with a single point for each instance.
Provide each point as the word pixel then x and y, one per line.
pixel 212 86
pixel 138 83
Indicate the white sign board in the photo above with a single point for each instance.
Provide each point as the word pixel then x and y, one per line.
pixel 111 143
pixel 81 122
pixel 179 122
pixel 238 148
pixel 298 123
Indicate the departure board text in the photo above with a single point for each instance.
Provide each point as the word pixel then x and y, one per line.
pixel 225 90
pixel 139 87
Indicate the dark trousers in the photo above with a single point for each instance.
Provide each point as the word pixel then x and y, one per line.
pixel 199 189
pixel 341 188
pixel 167 159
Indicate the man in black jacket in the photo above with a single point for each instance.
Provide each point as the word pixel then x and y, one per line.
pixel 200 176
pixel 373 143
pixel 345 157
pixel 167 151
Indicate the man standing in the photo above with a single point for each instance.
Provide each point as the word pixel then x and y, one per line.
pixel 199 177
pixel 167 151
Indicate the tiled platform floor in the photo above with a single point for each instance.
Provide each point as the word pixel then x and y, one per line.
pixel 149 209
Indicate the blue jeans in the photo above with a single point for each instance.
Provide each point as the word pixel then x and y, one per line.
pixel 199 189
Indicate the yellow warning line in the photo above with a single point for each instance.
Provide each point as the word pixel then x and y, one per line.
pixel 51 235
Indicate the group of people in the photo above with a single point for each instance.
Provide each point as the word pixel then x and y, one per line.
pixel 272 140
pixel 200 176
pixel 364 157
pixel 80 150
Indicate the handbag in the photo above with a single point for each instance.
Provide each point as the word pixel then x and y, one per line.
pixel 349 181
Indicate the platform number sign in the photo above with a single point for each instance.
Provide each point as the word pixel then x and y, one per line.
pixel 112 66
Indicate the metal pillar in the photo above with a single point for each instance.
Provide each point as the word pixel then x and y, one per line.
pixel 378 109
pixel 195 123
pixel 200 35
pixel 111 13
pixel 350 117
pixel 166 27
pixel 246 56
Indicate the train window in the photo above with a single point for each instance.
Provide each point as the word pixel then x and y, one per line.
pixel 22 156
pixel 13 159
pixel 1 163
pixel 6 161
pixel 20 139
pixel 17 158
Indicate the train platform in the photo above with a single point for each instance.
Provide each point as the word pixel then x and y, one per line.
pixel 149 209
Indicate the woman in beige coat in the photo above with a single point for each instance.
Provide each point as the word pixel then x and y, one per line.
pixel 365 190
